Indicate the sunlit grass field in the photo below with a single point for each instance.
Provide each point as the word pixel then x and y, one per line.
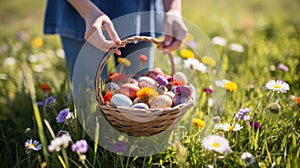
pixel 260 42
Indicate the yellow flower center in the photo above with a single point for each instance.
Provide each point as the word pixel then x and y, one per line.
pixel 230 128
pixel 208 61
pixel 32 145
pixel 216 145
pixel 277 86
pixel 198 123
pixel 185 53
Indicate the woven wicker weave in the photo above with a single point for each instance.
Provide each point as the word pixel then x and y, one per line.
pixel 133 121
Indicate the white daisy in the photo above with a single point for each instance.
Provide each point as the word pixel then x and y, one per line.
pixel 216 143
pixel 228 127
pixel 278 86
pixel 195 64
pixel 221 83
pixel 248 158
pixel 9 61
pixel 217 40
pixel 35 145
pixel 236 47
pixel 59 142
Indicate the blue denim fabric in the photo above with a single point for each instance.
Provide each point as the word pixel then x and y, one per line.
pixel 61 18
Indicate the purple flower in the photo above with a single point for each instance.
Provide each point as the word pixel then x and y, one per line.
pixel 80 146
pixel 283 67
pixel 48 101
pixel 255 125
pixel 118 146
pixel 63 115
pixel 161 80
pixel 207 90
pixel 39 103
pixel 243 114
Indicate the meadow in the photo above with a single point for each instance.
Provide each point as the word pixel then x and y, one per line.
pixel 259 126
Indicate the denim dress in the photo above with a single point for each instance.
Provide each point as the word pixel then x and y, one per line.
pixel 130 17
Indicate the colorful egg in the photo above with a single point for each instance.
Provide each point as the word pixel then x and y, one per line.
pixel 177 99
pixel 180 77
pixel 170 94
pixel 161 89
pixel 132 81
pixel 140 106
pixel 184 91
pixel 154 72
pixel 146 82
pixel 161 101
pixel 111 87
pixel 129 90
pixel 120 100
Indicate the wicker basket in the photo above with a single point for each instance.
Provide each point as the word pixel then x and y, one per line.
pixel 133 121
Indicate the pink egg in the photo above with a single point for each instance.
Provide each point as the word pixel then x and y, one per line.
pixel 146 82
pixel 129 90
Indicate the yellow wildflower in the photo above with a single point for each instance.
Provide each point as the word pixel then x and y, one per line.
pixel 230 86
pixel 185 53
pixel 145 93
pixel 124 61
pixel 198 123
pixel 208 61
pixel 37 42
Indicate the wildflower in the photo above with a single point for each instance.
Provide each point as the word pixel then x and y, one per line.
pixel 216 143
pixel 236 47
pixel 9 61
pixel 283 67
pixel 278 86
pixel 80 146
pixel 230 86
pixel 188 37
pixel 45 87
pixel 255 125
pixel 37 42
pixel 220 41
pixel 207 90
pixel 198 123
pixel 143 58
pixel 248 158
pixel 33 145
pixel 242 114
pixel 63 115
pixel 228 127
pixel 208 61
pixel 59 142
pixel 195 64
pixel 118 146
pixel 161 80
pixel 49 101
pixel 124 61
pixel 145 93
pixel 185 53
pixel 274 107
pixel 298 100
pixel 107 97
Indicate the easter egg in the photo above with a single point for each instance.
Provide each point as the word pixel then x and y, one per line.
pixel 132 81
pixel 161 89
pixel 154 72
pixel 111 87
pixel 161 101
pixel 184 91
pixel 146 82
pixel 140 106
pixel 129 90
pixel 120 100
pixel 170 94
pixel 177 99
pixel 180 78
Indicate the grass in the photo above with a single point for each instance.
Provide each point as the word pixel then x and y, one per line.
pixel 269 32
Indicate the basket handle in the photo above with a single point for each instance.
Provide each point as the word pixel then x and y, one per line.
pixel 113 49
